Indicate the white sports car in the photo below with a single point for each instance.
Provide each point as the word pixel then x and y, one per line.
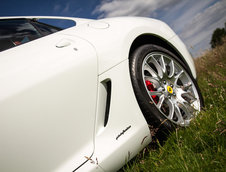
pixel 83 98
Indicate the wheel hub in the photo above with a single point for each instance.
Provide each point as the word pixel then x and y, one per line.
pixel 170 89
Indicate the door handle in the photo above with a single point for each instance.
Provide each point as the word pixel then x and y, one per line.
pixel 63 43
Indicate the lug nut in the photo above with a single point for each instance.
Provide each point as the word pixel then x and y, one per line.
pixel 174 94
pixel 164 82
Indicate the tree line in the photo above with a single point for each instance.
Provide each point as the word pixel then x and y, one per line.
pixel 217 37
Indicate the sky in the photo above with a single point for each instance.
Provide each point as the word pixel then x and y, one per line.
pixel 193 20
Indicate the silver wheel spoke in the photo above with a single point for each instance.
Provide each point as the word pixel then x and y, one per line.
pixel 162 62
pixel 158 67
pixel 161 100
pixel 187 109
pixel 155 93
pixel 151 79
pixel 178 114
pixel 186 86
pixel 150 70
pixel 172 69
pixel 190 109
pixel 171 109
pixel 177 77
pixel 189 97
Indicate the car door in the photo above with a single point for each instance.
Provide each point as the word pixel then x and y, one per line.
pixel 47 104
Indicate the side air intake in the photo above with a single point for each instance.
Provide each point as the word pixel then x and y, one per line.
pixel 108 102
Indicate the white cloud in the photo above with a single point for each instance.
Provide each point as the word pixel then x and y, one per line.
pixel 56 7
pixel 130 7
pixel 193 20
pixel 185 11
pixel 66 8
pixel 197 33
pixel 63 8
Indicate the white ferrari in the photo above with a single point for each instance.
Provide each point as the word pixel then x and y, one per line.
pixel 83 98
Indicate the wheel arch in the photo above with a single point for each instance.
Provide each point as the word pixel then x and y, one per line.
pixel 156 40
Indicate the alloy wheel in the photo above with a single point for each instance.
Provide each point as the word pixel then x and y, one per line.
pixel 170 88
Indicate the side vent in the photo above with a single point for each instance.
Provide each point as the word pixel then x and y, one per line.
pixel 108 102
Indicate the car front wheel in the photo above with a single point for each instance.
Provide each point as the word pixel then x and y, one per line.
pixel 166 91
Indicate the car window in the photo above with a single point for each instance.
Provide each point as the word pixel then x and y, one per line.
pixel 58 23
pixel 15 32
pixel 45 29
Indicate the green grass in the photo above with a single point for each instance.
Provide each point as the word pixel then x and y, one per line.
pixel 201 146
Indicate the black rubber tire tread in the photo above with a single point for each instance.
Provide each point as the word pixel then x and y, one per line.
pixel 152 115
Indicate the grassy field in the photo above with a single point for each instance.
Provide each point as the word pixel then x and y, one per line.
pixel 201 146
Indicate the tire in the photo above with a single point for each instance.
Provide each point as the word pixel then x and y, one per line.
pixel 166 91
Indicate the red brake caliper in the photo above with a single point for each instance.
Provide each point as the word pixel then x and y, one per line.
pixel 151 89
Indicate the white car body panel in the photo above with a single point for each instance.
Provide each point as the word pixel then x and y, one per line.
pixel 53 97
pixel 43 106
pixel 111 143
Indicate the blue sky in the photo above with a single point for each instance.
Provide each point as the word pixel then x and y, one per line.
pixel 193 20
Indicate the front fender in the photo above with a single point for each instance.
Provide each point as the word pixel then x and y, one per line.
pixel 113 37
